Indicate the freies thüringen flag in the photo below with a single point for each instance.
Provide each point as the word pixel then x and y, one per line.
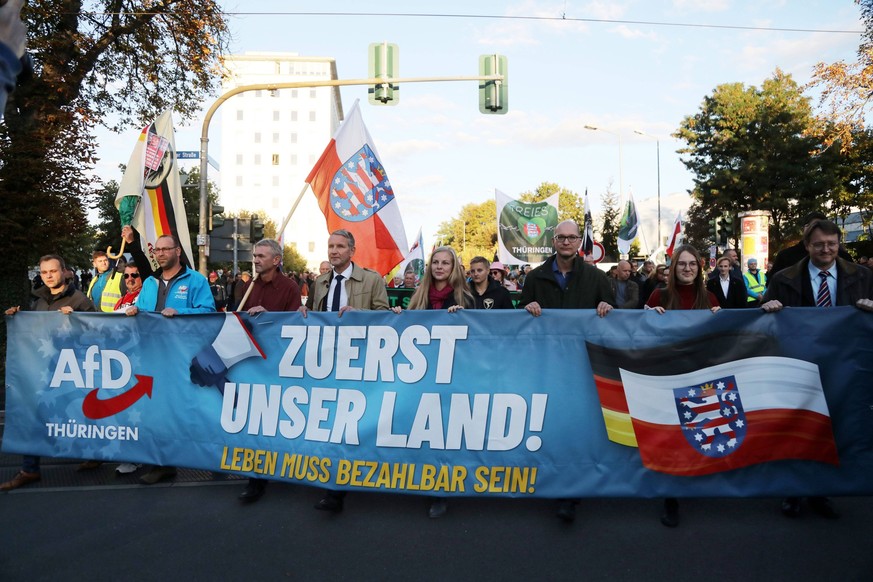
pixel 717 416
pixel 152 176
pixel 354 194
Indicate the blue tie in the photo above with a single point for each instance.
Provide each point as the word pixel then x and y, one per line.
pixel 335 300
pixel 823 297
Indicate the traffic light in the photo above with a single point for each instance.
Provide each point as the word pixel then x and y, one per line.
pixel 257 229
pixel 384 63
pixel 216 216
pixel 725 229
pixel 713 230
pixel 494 94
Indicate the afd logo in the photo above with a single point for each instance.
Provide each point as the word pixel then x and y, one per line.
pixel 111 368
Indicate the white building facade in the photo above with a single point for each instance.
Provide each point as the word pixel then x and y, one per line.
pixel 271 139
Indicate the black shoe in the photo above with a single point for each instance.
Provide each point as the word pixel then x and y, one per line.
pixel 253 491
pixel 823 507
pixel 438 508
pixel 791 507
pixel 566 510
pixel 330 503
pixel 670 517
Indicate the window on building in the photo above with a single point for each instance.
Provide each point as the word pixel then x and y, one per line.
pixel 294 93
pixel 294 137
pixel 239 181
pixel 293 116
pixel 312 246
pixel 312 116
pixel 275 181
pixel 275 138
pixel 239 115
pixel 275 159
pixel 275 116
pixel 257 137
pixel 257 159
pixel 293 159
pixel 239 159
pixel 274 92
pixel 312 93
pixel 275 203
pixel 258 93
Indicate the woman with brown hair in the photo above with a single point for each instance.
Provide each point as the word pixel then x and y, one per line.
pixel 685 290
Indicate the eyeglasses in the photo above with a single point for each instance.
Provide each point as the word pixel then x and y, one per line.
pixel 689 265
pixel 131 275
pixel 831 245
pixel 567 239
pixel 164 249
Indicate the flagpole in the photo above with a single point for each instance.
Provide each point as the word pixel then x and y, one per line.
pixel 242 303
pixel 293 208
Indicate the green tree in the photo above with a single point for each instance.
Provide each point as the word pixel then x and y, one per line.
pixel 570 205
pixel 752 149
pixel 609 223
pixel 109 63
pixel 845 88
pixel 473 232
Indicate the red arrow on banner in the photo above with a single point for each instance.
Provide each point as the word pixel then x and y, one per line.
pixel 95 408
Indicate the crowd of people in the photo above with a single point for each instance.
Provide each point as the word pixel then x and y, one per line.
pixel 821 277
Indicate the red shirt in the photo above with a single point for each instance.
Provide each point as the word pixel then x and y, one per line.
pixel 280 294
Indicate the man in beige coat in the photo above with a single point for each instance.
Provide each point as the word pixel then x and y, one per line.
pixel 346 286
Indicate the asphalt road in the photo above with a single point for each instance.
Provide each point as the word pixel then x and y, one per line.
pixel 76 526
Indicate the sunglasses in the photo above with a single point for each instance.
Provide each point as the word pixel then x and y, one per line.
pixel 131 275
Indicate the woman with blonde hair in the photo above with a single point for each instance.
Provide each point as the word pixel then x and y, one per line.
pixel 443 286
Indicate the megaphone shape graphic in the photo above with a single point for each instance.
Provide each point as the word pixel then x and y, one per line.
pixel 234 343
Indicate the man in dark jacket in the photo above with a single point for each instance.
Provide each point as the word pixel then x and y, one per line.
pixel 55 295
pixel 565 281
pixel 822 279
pixel 487 292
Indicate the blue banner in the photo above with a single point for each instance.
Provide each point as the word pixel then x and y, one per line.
pixel 464 404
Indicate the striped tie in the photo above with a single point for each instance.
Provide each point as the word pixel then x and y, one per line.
pixel 823 298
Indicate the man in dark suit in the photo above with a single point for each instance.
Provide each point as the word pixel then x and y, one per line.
pixel 822 279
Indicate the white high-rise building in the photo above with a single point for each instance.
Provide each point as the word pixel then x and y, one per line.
pixel 271 139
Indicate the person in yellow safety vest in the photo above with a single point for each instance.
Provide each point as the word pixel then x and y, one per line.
pixel 756 283
pixel 106 287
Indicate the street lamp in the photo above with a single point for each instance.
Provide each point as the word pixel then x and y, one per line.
pixel 658 151
pixel 620 173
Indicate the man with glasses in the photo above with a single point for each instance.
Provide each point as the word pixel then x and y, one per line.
pixel 133 282
pixel 565 281
pixel 171 290
pixel 822 279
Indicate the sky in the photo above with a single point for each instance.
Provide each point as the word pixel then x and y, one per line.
pixel 622 66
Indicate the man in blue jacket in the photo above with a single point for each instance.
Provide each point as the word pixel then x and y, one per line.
pixel 173 289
